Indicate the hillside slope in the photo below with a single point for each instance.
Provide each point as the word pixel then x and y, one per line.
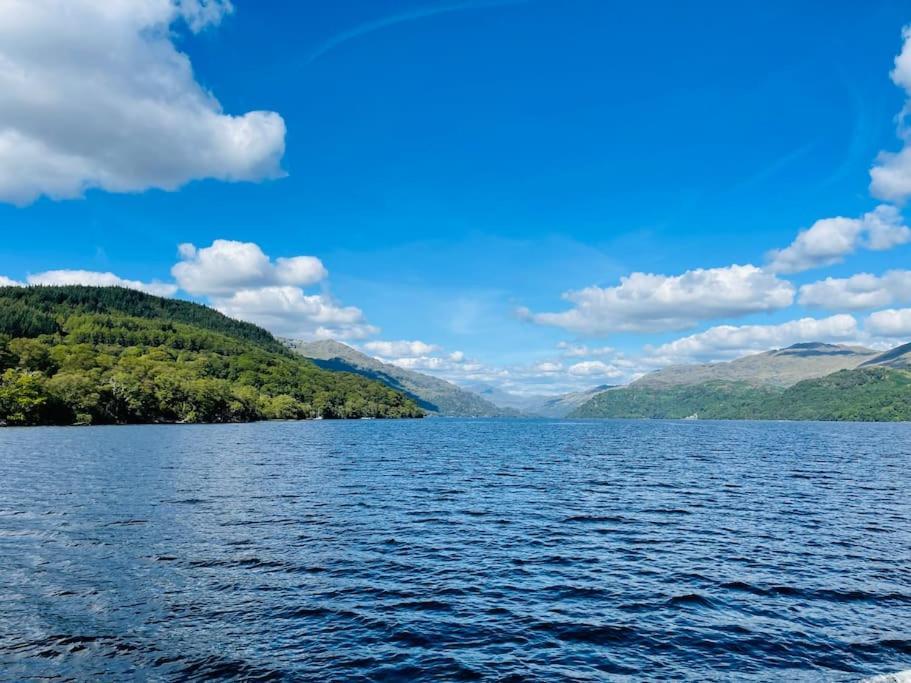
pixel 109 355
pixel 863 394
pixel 898 358
pixel 781 367
pixel 430 393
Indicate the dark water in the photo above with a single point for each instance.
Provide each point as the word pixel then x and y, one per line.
pixel 456 550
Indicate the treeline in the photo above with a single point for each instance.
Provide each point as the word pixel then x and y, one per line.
pixel 869 394
pixel 69 358
pixel 32 311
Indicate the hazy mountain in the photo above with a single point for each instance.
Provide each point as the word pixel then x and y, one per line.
pixel 564 404
pixel 430 393
pixel 515 402
pixel 541 405
pixel 781 367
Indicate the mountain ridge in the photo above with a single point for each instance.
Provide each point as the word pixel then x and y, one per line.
pixel 871 387
pixel 435 395
pixel 778 367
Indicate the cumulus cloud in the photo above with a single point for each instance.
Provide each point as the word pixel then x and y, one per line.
pixel 447 368
pixel 241 281
pixel 227 266
pixel 644 302
pixel 890 177
pixel 594 368
pixel 94 94
pixel 9 282
pixel 96 279
pixel 829 240
pixel 401 349
pixel 861 291
pixel 583 351
pixel 731 341
pixel 890 323
pixel 289 312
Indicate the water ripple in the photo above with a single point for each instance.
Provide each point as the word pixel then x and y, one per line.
pixel 457 550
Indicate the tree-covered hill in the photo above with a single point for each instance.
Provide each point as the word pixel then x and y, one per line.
pixel 865 394
pixel 30 311
pixel 106 355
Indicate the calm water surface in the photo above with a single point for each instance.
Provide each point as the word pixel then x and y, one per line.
pixel 437 549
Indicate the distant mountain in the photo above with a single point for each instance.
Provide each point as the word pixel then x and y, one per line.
pixel 499 397
pixel 538 405
pixel 564 404
pixel 867 387
pixel 433 394
pixel 781 367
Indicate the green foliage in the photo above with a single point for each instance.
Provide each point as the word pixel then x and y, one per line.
pixel 871 394
pixel 165 362
pixel 714 400
pixel 23 397
pixel 33 311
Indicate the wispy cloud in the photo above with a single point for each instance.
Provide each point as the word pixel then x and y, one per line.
pixel 401 18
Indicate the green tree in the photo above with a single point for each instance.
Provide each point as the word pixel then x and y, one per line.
pixel 23 397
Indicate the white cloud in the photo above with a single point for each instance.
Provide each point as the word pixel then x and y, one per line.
pixel 94 94
pixel 227 266
pixel 421 363
pixel 96 279
pixel 241 281
pixel 901 74
pixel 890 177
pixel 401 349
pixel 548 367
pixel 594 368
pixel 200 14
pixel 645 302
pixel 547 376
pixel 289 312
pixel 732 341
pixel 829 240
pixel 890 323
pixel 858 292
pixel 583 351
pixel 9 282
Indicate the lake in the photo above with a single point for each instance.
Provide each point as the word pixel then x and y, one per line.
pixel 456 550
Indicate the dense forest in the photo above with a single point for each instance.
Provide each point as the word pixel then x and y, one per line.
pixel 866 394
pixel 107 355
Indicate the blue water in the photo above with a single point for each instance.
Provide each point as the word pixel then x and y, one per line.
pixel 456 550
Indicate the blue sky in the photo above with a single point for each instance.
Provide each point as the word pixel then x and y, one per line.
pixel 458 167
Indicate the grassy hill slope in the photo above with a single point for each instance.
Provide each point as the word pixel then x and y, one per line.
pixel 778 368
pixel 866 394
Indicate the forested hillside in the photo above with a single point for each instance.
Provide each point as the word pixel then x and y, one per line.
pixel 114 356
